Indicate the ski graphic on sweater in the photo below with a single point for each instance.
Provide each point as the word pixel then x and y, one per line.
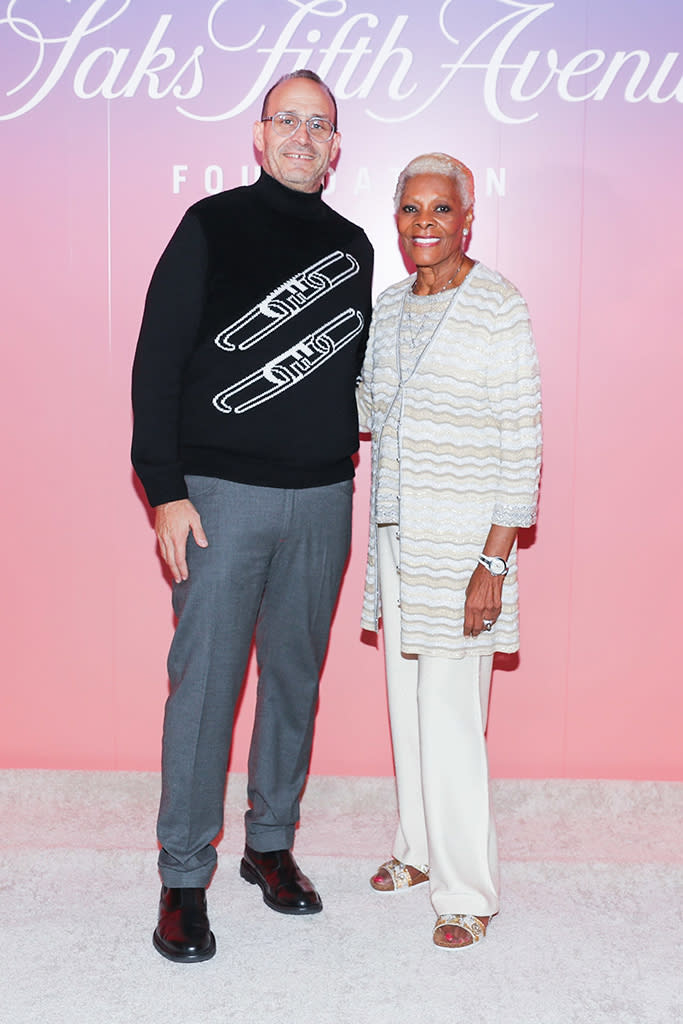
pixel 289 299
pixel 293 365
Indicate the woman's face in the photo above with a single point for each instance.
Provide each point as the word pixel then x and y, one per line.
pixel 430 220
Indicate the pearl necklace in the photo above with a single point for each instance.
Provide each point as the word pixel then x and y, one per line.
pixel 448 282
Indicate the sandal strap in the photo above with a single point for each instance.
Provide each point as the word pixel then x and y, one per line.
pixel 399 873
pixel 472 925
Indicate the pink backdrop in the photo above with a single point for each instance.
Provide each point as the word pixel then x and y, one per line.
pixel 115 115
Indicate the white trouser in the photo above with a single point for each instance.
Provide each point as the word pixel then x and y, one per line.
pixel 438 709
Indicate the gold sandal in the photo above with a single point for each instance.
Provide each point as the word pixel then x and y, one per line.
pixel 474 926
pixel 399 876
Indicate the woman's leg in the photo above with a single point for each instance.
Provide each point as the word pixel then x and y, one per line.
pixel 410 845
pixel 453 706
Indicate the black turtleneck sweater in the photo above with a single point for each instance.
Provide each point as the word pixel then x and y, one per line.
pixel 252 337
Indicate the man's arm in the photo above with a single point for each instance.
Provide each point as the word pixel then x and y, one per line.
pixel 173 311
pixel 172 315
pixel 172 524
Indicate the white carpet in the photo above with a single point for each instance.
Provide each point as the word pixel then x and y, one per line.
pixel 589 931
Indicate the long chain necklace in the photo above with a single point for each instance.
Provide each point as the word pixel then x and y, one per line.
pixel 420 325
pixel 421 329
pixel 448 282
pixel 430 323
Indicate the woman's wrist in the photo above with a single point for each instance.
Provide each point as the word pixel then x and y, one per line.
pixel 495 564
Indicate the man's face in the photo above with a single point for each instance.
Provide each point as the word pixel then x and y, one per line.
pixel 298 161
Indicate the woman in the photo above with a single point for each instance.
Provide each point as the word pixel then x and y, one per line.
pixel 450 394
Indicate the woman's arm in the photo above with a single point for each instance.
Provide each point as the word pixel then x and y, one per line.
pixel 514 392
pixel 483 594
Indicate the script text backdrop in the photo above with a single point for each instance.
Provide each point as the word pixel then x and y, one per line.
pixel 117 114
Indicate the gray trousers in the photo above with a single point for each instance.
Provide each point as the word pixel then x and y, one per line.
pixel 272 572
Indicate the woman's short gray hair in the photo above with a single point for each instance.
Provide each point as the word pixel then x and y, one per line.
pixel 438 163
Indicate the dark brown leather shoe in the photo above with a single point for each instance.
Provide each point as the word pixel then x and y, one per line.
pixel 183 934
pixel 285 888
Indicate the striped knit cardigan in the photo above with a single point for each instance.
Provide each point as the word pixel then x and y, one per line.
pixel 469 455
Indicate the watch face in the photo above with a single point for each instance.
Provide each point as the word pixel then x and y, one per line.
pixel 497 566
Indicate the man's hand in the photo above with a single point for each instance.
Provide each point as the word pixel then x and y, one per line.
pixel 173 521
pixel 482 600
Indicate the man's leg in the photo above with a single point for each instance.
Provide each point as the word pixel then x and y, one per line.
pixel 291 640
pixel 217 609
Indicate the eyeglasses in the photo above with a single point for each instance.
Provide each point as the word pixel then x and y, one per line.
pixel 285 124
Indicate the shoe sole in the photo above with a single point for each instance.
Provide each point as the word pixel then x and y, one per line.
pixel 251 876
pixel 185 958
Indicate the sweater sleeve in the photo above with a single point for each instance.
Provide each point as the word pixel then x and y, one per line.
pixel 368 266
pixel 515 395
pixel 364 390
pixel 173 310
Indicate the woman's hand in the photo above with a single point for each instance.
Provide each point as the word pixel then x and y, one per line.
pixel 483 600
pixel 483 597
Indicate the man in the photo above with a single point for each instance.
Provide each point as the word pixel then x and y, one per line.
pixel 245 423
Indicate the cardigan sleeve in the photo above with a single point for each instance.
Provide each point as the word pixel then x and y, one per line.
pixel 515 394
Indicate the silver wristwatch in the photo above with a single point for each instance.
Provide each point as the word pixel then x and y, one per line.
pixel 495 565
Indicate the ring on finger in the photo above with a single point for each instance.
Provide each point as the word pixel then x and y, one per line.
pixel 487 623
